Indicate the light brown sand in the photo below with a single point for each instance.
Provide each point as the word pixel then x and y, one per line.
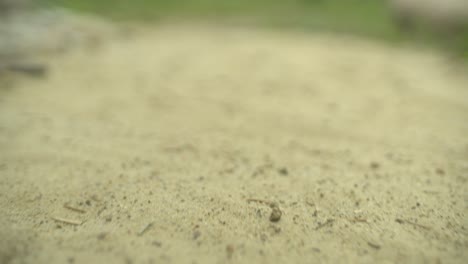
pixel 364 147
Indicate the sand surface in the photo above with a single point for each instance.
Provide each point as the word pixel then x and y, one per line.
pixel 158 142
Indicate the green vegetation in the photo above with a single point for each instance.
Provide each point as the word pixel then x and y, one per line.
pixel 364 17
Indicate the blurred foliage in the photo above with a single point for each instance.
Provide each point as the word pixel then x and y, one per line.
pixel 360 15
pixel 369 18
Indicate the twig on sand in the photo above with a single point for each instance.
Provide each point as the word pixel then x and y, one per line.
pixel 67 221
pixel 402 221
pixel 144 229
pixel 78 210
pixel 358 220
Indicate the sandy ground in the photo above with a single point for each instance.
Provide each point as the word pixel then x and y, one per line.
pixel 159 141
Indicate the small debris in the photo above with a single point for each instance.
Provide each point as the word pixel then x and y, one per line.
pixel 67 221
pixel 358 220
pixel 328 222
pixel 156 243
pixel 262 169
pixel 196 234
pixel 372 245
pixel 257 201
pixel 274 229
pixel 283 171
pixel 101 210
pixel 316 249
pixel 78 210
pixel 316 210
pixel 402 221
pixel 144 229
pixel 374 165
pixel 276 212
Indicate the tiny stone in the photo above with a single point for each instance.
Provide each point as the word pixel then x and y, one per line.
pixel 374 165
pixel 156 243
pixel 275 214
pixel 373 245
pixel 283 171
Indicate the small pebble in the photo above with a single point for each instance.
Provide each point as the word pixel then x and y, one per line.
pixel 275 214
pixel 374 165
pixel 156 243
pixel 283 171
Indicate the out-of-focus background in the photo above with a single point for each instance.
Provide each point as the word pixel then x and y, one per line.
pixel 370 18
pixel 441 25
pixel 235 131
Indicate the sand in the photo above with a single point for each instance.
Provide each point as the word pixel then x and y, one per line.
pixel 151 147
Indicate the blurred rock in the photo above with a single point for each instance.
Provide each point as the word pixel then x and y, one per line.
pixel 49 31
pixel 27 33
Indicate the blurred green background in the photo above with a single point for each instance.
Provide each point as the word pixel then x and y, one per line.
pixel 368 18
